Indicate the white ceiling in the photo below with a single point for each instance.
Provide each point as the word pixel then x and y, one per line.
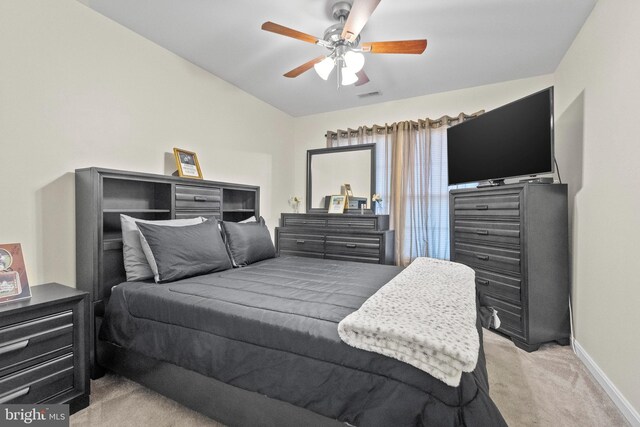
pixel 471 43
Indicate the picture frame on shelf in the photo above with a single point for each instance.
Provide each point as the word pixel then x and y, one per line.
pixel 336 204
pixel 14 285
pixel 187 163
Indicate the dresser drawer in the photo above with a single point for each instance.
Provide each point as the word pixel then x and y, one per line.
pixel 289 221
pixel 487 231
pixel 499 286
pixel 300 242
pixel 187 214
pixel 510 315
pixel 353 222
pixel 498 205
pixel 188 197
pixel 38 383
pixel 486 257
pixel 351 245
pixel 354 258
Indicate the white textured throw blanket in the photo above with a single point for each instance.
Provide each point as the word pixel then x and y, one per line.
pixel 425 316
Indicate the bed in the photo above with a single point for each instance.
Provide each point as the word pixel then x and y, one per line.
pixel 256 345
pixel 259 345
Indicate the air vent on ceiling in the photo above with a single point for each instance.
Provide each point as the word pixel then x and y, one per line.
pixel 369 94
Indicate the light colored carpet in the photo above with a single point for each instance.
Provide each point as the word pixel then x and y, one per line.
pixel 549 387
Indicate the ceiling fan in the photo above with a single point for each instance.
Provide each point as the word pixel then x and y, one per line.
pixel 343 41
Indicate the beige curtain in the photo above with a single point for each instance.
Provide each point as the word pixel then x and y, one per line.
pixel 411 177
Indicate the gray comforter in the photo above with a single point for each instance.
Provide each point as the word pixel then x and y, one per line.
pixel 272 328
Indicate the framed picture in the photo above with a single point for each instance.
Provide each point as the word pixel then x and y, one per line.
pixel 336 204
pixel 187 162
pixel 14 284
pixel 347 190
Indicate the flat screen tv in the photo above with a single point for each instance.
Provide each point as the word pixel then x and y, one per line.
pixel 511 141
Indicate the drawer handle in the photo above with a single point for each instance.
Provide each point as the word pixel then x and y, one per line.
pixel 482 207
pixel 199 199
pixel 483 257
pixel 14 395
pixel 300 242
pixel 14 347
pixel 482 282
pixel 482 232
pixel 351 245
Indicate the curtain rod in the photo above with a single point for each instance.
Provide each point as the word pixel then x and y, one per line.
pixel 421 123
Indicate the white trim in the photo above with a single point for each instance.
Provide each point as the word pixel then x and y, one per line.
pixel 619 400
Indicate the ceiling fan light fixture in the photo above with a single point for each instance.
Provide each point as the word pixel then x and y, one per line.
pixel 354 61
pixel 348 77
pixel 324 68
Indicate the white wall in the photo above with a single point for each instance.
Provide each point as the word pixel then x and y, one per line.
pixel 79 90
pixel 309 131
pixel 597 93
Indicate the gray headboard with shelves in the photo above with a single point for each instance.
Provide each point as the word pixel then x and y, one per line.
pixel 103 194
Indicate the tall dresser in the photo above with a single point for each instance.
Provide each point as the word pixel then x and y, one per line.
pixel 515 237
pixel 348 237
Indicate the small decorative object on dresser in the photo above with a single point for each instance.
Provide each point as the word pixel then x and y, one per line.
pixel 44 348
pixel 14 284
pixel 187 163
pixel 336 204
pixel 377 201
pixel 349 237
pixel 515 238
pixel 294 202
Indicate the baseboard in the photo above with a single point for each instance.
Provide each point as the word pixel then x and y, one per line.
pixel 619 400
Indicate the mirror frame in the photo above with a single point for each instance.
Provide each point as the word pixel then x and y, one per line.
pixel 361 147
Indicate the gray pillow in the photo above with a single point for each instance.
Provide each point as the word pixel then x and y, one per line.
pixel 180 252
pixel 248 242
pixel 135 262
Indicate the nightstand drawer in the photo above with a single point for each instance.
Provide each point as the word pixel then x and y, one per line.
pixel 32 349
pixel 38 383
pixel 26 343
pixel 188 197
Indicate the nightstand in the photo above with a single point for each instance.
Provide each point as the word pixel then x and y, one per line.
pixel 44 348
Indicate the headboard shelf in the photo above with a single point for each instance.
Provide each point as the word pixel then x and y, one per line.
pixel 103 194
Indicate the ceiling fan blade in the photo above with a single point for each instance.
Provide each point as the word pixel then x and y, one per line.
pixel 362 78
pixel 289 32
pixel 358 16
pixel 304 67
pixel 404 46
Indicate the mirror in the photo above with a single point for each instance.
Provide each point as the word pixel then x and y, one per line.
pixel 329 169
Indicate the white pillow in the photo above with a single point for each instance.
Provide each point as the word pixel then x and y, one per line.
pixel 135 262
pixel 251 219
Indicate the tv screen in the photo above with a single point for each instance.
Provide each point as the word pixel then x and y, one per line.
pixel 513 140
